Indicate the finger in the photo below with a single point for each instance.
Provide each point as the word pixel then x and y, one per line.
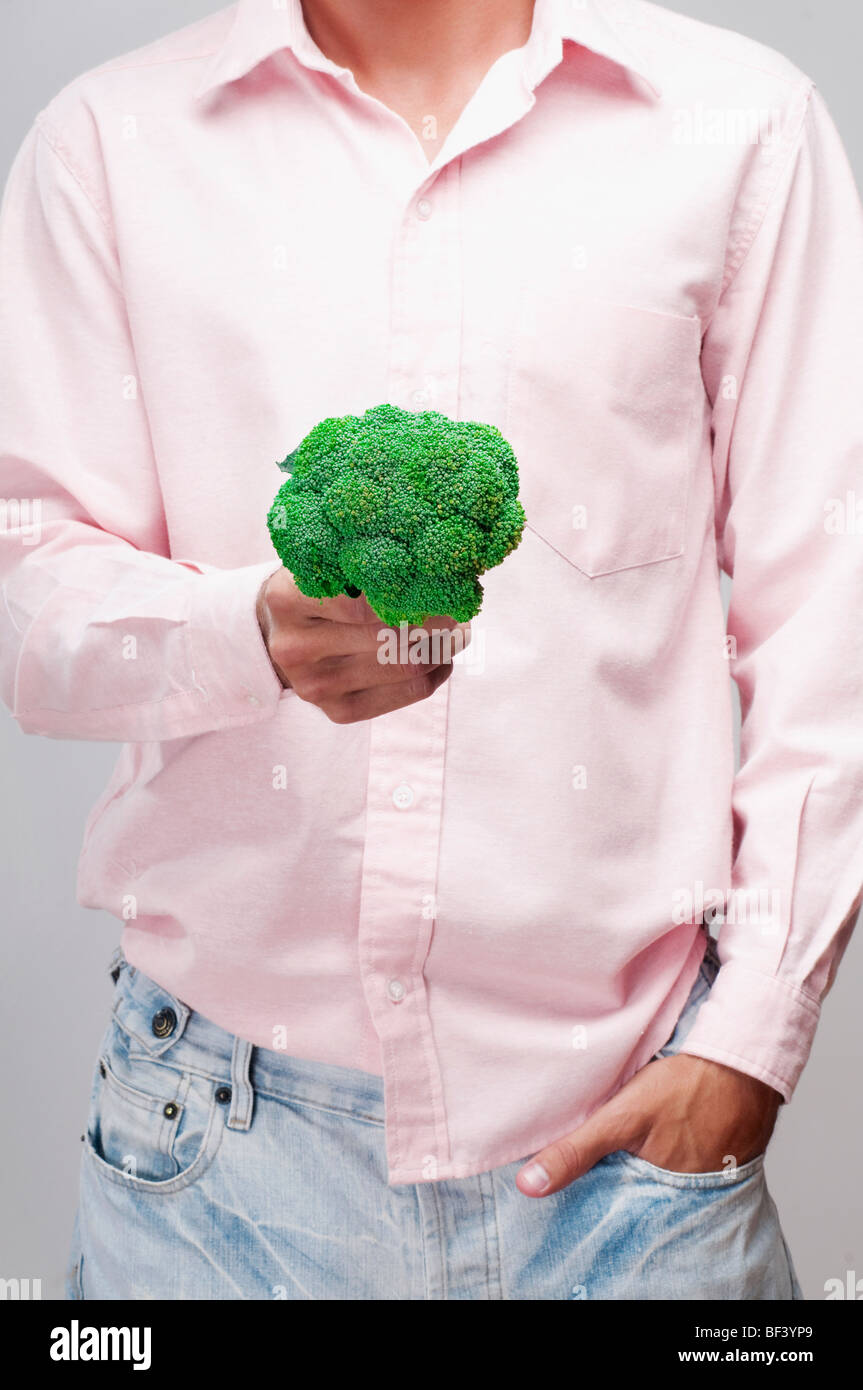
pixel 383 699
pixel 350 674
pixel 339 609
pixel 335 678
pixel 432 643
pixel 283 592
pixel 344 609
pixel 435 640
pixel 325 679
pixel 560 1163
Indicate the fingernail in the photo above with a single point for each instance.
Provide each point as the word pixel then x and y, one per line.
pixel 534 1177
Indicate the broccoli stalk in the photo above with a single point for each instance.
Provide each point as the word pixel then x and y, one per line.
pixel 408 509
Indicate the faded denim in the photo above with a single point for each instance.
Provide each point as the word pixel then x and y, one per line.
pixel 215 1170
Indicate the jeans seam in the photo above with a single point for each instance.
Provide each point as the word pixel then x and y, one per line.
pixel 441 1240
pixel 492 1248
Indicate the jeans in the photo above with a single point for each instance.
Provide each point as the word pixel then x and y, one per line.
pixel 215 1170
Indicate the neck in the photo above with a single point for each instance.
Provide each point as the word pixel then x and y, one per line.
pixel 428 41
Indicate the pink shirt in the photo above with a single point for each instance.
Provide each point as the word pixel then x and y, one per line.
pixel 640 254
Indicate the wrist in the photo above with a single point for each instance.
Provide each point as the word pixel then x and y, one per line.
pixel 262 612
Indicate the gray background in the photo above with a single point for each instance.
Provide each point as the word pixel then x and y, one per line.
pixel 54 989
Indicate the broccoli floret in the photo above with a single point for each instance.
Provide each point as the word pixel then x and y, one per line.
pixel 408 509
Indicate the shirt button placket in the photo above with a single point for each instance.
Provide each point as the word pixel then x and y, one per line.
pixel 406 753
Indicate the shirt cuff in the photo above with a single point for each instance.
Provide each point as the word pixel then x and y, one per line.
pixel 230 663
pixel 757 1024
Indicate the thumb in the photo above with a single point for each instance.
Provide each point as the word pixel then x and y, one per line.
pixel 568 1158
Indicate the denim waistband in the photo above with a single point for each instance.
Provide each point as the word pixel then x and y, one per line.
pixel 161 1026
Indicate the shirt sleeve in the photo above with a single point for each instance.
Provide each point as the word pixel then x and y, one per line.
pixel 102 634
pixel 782 360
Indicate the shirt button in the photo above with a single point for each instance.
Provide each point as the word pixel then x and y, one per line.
pixel 419 397
pixel 403 796
pixel 252 700
pixel 396 991
pixel 424 209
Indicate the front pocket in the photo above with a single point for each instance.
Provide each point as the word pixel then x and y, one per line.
pixel 726 1179
pixel 602 416
pixel 156 1139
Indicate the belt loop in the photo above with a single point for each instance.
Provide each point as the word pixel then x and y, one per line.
pixel 242 1094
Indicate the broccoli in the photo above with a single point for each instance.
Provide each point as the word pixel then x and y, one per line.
pixel 408 509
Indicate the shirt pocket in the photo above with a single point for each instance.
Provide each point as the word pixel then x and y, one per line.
pixel 602 415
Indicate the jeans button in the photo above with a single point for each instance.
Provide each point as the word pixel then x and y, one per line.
pixel 164 1023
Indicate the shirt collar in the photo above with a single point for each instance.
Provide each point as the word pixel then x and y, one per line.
pixel 605 27
pixel 263 27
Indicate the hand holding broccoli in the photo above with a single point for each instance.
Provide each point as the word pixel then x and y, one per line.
pixel 329 653
pixel 407 509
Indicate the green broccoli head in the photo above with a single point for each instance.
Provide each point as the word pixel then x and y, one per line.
pixel 408 509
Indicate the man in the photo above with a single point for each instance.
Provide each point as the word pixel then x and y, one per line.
pixel 416 997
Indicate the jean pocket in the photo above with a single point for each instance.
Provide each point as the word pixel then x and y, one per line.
pixel 727 1178
pixel 602 415
pixel 152 1126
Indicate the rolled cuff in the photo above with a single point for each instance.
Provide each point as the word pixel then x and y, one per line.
pixel 231 665
pixel 757 1024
